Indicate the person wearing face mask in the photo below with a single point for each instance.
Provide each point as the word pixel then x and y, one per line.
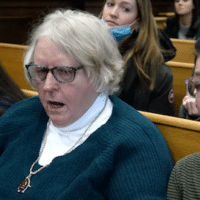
pixel 186 22
pixel 147 83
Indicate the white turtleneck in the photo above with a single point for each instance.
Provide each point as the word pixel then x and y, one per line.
pixel 61 140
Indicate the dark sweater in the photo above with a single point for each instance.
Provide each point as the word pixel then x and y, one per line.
pixel 127 158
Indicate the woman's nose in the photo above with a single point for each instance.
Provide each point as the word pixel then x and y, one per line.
pixel 50 83
pixel 114 12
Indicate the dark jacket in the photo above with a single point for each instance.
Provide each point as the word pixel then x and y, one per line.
pixel 172 28
pixel 161 99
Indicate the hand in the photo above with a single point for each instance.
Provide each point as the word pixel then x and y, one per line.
pixel 189 104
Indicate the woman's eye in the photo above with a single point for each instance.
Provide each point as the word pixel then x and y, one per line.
pixel 110 4
pixel 126 9
pixel 41 69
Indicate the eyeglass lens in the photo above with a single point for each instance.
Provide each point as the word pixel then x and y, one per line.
pixel 192 86
pixel 61 74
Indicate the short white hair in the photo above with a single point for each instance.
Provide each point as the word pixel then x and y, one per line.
pixel 85 38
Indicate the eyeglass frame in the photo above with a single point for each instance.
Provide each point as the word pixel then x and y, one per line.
pixel 189 82
pixel 51 70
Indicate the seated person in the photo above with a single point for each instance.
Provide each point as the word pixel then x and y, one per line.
pixel 184 181
pixel 188 109
pixel 186 22
pixel 77 140
pixel 10 93
pixel 147 84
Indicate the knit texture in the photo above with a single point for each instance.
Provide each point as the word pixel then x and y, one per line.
pixel 127 158
pixel 185 179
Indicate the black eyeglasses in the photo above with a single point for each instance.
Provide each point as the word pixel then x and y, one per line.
pixel 192 85
pixel 62 74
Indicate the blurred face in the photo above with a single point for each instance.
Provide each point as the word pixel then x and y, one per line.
pixel 64 103
pixel 120 12
pixel 183 7
pixel 197 81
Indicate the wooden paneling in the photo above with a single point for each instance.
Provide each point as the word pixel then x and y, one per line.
pixel 18 17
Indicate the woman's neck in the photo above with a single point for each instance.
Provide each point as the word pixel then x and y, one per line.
pixel 186 20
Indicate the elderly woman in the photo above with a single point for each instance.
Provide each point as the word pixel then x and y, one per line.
pixel 76 140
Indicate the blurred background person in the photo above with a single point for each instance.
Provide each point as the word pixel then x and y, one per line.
pixel 186 22
pixel 184 181
pixel 188 109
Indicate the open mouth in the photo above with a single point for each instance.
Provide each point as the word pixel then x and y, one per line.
pixel 56 104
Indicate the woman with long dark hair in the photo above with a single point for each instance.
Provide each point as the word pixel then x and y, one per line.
pixel 186 22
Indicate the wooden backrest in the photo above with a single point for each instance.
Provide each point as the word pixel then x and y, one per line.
pixel 185 50
pixel 180 71
pixel 11 56
pixel 161 22
pixel 166 14
pixel 30 93
pixel 181 135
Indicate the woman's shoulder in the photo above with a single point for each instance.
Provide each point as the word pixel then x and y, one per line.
pixel 164 73
pixel 127 118
pixel 128 126
pixel 188 166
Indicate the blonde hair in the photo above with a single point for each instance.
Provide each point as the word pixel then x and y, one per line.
pixel 87 40
pixel 146 51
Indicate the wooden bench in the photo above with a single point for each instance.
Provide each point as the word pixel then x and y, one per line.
pixel 11 56
pixel 185 50
pixel 30 93
pixel 161 22
pixel 181 135
pixel 180 71
pixel 166 14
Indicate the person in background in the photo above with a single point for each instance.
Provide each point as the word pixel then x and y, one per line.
pixel 77 140
pixel 147 84
pixel 186 22
pixel 188 109
pixel 184 181
pixel 10 93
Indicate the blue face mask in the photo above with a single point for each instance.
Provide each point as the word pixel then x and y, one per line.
pixel 121 32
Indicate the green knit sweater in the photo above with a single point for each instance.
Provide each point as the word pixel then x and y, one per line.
pixel 127 158
pixel 185 179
